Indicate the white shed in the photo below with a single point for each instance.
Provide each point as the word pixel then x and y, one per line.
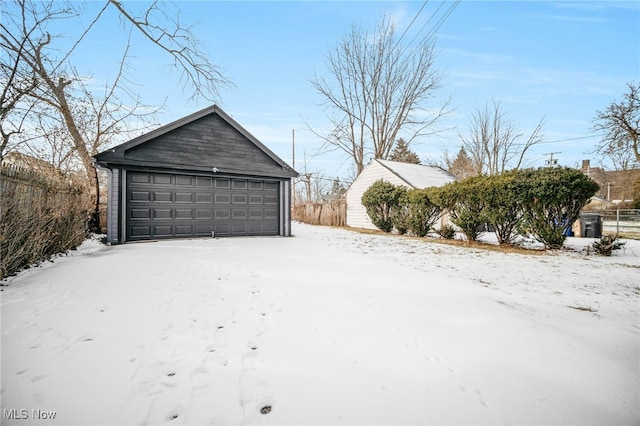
pixel 406 174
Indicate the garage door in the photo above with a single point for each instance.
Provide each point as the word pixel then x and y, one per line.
pixel 179 206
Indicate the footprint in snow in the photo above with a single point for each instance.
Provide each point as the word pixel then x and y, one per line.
pixel 215 356
pixel 265 410
pixel 87 338
pixel 37 378
pixel 174 414
pixel 481 398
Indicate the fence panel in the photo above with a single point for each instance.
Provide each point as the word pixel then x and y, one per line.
pixel 621 221
pixel 39 217
pixel 332 213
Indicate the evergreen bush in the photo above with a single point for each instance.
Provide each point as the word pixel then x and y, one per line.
pixel 423 212
pixel 447 232
pixel 379 200
pixel 606 245
pixel 503 196
pixel 552 202
pixel 399 212
pixel 465 203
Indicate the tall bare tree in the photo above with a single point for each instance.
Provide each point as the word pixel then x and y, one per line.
pixel 17 83
pixel 620 123
pixel 375 90
pixel 54 94
pixel 311 185
pixel 495 143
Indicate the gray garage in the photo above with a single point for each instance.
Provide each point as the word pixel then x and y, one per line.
pixel 200 176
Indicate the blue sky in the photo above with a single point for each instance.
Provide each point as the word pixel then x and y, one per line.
pixel 559 60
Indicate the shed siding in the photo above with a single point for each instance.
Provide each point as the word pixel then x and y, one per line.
pixel 356 213
pixel 113 201
pixel 207 142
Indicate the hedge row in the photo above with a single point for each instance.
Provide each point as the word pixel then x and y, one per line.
pixel 390 206
pixel 39 217
pixel 542 203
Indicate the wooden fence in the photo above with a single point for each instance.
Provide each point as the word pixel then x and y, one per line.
pixel 39 216
pixel 331 213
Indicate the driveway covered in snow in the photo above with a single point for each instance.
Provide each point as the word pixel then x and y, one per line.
pixel 328 327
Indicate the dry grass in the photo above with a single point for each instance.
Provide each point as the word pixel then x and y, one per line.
pixel 456 243
pixel 40 218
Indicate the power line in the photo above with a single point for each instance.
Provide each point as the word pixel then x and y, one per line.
pixel 438 24
pixel 424 26
pixel 446 15
pixel 455 143
pixel 573 139
pixel 410 24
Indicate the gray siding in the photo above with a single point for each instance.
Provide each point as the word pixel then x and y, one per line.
pixel 205 146
pixel 113 201
pixel 207 142
pixel 285 208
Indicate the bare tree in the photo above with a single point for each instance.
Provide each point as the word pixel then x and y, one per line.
pixel 375 90
pixel 164 30
pixel 494 143
pixel 17 82
pixel 620 123
pixel 313 185
pixel 56 98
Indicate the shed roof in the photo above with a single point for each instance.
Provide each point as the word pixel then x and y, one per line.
pixel 418 175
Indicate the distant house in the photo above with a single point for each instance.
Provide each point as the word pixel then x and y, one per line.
pixel 615 185
pixel 28 162
pixel 405 174
pixel 202 175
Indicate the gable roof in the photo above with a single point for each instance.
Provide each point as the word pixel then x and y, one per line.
pixel 117 154
pixel 418 175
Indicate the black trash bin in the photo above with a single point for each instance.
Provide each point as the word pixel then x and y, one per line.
pixel 591 225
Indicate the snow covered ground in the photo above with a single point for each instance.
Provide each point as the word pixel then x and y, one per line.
pixel 328 327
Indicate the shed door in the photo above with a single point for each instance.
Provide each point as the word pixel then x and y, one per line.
pixel 180 206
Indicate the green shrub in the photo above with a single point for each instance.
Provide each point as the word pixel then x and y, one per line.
pixel 503 196
pixel 423 212
pixel 465 203
pixel 553 200
pixel 607 244
pixel 379 200
pixel 399 212
pixel 447 232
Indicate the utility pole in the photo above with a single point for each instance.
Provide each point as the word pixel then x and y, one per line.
pixel 293 161
pixel 551 162
pixel 609 190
